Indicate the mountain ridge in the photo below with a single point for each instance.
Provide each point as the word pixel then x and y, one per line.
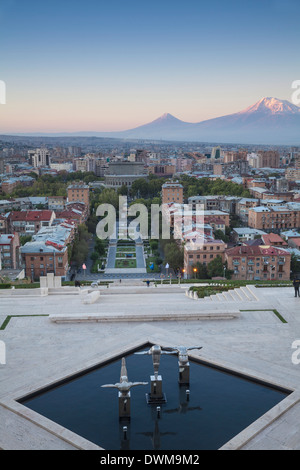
pixel 268 121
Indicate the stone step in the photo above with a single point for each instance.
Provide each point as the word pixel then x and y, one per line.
pixel 242 297
pixel 248 294
pixel 234 296
pixel 228 296
pixel 253 290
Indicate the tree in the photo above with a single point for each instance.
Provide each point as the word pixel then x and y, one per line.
pixel 201 272
pixel 295 265
pixel 91 223
pixel 220 235
pixel 100 247
pixel 174 255
pixel 80 246
pixel 24 239
pixel 216 267
pixel 94 256
pixel 108 196
pixel 123 190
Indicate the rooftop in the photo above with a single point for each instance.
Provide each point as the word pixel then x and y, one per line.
pixel 37 215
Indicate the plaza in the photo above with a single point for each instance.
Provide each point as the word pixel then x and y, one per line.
pixel 50 336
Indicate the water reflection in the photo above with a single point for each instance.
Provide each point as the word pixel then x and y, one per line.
pixel 183 406
pixel 156 434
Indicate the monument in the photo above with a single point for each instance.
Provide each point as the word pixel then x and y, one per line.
pixel 124 387
pixel 156 396
pixel 183 361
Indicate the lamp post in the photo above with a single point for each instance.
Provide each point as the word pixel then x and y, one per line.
pixel 195 270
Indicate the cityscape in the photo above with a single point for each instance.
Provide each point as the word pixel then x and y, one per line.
pixel 121 231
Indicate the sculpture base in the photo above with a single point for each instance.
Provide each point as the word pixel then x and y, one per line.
pixel 154 400
pixel 184 374
pixel 156 396
pixel 124 406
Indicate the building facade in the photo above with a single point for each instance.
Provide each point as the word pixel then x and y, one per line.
pixel 30 222
pixel 79 192
pixel 258 263
pixel 9 251
pixel 202 253
pixel 273 219
pixel 172 192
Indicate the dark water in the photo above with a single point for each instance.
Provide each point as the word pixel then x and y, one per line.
pixel 220 406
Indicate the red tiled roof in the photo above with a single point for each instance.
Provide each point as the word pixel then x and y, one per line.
pixel 215 220
pixel 264 250
pixel 68 214
pixel 271 238
pixel 33 216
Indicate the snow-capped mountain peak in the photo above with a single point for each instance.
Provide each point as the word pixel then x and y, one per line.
pixel 271 105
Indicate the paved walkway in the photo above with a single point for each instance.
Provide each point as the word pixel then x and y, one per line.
pixel 140 261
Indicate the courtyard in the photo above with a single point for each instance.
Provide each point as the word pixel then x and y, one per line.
pixel 50 338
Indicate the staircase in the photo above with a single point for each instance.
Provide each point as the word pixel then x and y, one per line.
pixel 241 294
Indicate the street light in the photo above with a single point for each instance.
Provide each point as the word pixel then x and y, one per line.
pixel 195 270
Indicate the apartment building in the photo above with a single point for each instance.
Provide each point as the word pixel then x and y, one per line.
pixel 56 203
pixel 29 222
pixel 3 224
pixel 203 253
pixel 273 219
pixel 263 262
pixel 40 259
pixel 9 251
pixel 79 192
pixel 172 192
pixel 39 157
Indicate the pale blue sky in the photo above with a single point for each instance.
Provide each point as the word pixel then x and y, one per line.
pixel 95 65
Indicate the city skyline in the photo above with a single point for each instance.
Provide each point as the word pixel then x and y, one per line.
pixel 107 67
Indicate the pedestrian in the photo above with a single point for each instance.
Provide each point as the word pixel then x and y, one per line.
pixel 296 285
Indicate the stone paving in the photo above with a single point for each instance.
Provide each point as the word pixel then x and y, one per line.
pixel 40 352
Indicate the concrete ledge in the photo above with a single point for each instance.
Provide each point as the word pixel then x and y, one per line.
pixel 102 317
pixel 64 290
pixel 37 292
pixel 92 297
pixel 78 442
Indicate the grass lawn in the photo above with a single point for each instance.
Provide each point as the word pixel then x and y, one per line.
pixel 126 249
pixel 125 263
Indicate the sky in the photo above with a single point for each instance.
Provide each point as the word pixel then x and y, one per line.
pixel 95 65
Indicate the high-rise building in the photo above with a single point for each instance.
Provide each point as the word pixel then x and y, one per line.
pixel 39 157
